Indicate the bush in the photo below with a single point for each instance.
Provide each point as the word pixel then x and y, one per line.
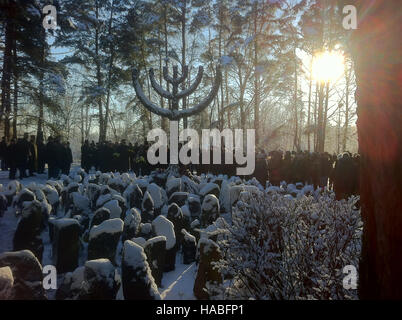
pixel 279 247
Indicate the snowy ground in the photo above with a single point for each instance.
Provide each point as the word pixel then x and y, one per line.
pixel 176 285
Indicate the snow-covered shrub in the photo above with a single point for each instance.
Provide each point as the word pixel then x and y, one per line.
pixel 290 248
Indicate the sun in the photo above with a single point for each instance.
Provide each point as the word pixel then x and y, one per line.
pixel 328 66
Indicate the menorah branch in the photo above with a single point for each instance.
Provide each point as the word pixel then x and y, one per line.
pixel 175 97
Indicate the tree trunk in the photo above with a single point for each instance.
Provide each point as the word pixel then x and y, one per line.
pixel 15 107
pixel 376 49
pixel 256 78
pixel 99 79
pixel 347 92
pixel 309 105
pixel 7 71
pixel 325 118
pixel 320 119
pixel 109 76
pixel 183 55
pixel 41 93
pixel 296 119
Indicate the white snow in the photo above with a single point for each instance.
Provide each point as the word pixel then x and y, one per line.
pixel 163 227
pixel 210 202
pixel 109 226
pixel 188 236
pixel 195 224
pixel 146 228
pixel 51 194
pixel 224 196
pixel 80 201
pixel 134 256
pixel 115 210
pixel 62 223
pixel 140 241
pixel 235 193
pixel 6 282
pixel 132 217
pixel 208 188
pixel 155 240
pixel 76 278
pixel 179 283
pixel 156 194
pixel 102 267
pixel 103 199
pixel 186 211
pixel 173 183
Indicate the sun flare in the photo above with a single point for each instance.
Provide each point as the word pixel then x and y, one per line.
pixel 328 66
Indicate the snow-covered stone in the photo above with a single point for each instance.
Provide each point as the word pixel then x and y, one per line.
pixel 133 196
pixel 209 210
pixel 103 239
pixel 102 199
pixel 27 274
pixel 25 195
pixel 27 234
pixel 189 247
pixel 6 283
pixel 158 196
pixel 224 196
pixel 65 250
pixel 148 208
pixel 210 188
pixel 194 205
pixel 140 241
pixel 132 224
pixel 114 208
pixel 137 280
pixel 146 230
pixel 173 185
pixel 207 274
pixel 163 227
pixel 180 198
pixel 102 214
pixel 175 215
pixel 80 202
pixel 155 250
pixel 70 287
pixel 101 281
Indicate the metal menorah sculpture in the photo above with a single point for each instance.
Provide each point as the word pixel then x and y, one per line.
pixel 175 96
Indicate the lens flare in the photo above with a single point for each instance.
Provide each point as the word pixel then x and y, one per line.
pixel 328 66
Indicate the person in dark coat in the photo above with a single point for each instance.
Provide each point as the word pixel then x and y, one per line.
pixel 41 147
pixel 66 159
pixel 85 151
pixel 3 154
pixel 274 168
pixel 123 159
pixel 345 175
pixel 33 156
pixel 11 158
pixel 51 157
pixel 22 156
pixel 94 156
pixel 261 168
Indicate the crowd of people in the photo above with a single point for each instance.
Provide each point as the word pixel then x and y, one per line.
pixel 318 169
pixel 340 173
pixel 29 155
